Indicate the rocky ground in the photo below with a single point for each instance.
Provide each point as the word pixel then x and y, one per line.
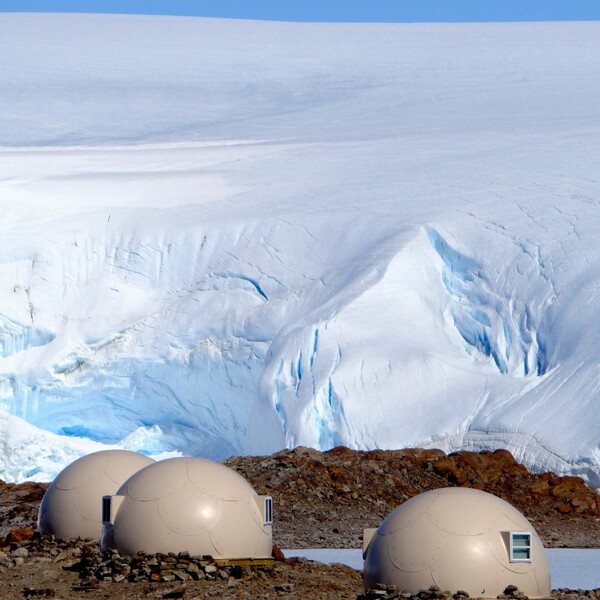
pixel 326 499
pixel 321 499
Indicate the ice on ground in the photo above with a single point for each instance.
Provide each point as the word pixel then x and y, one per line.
pixel 570 568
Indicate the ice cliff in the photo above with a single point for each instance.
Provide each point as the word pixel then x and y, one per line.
pixel 228 237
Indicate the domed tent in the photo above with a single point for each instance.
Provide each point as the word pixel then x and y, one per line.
pixel 457 539
pixel 188 504
pixel 72 504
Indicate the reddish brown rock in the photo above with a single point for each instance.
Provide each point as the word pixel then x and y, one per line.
pixel 16 536
pixel 277 554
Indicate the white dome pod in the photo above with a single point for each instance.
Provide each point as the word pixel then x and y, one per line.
pixel 457 539
pixel 72 504
pixel 188 504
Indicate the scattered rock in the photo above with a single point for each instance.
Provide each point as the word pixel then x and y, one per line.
pixel 38 593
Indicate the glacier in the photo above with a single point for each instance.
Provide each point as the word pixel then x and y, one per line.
pixel 226 237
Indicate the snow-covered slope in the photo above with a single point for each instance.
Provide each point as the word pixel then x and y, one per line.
pixel 224 237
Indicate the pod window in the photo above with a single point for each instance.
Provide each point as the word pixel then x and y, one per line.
pixel 520 546
pixel 268 510
pixel 106 509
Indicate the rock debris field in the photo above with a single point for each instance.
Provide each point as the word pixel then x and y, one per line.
pixel 322 499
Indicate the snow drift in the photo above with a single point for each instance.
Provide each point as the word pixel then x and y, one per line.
pixel 223 237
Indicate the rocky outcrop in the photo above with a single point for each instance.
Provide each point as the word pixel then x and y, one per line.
pixel 328 498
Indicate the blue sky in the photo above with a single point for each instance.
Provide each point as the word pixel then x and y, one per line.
pixel 332 10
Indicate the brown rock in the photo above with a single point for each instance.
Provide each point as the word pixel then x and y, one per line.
pixel 449 469
pixel 277 554
pixel 16 536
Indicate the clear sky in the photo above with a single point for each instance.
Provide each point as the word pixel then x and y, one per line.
pixel 332 10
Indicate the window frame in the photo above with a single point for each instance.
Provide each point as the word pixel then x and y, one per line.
pixel 268 510
pixel 513 546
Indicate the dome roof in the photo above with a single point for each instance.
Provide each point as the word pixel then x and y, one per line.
pixel 72 504
pixel 457 538
pixel 189 504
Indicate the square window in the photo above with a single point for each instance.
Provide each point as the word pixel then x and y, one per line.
pixel 520 546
